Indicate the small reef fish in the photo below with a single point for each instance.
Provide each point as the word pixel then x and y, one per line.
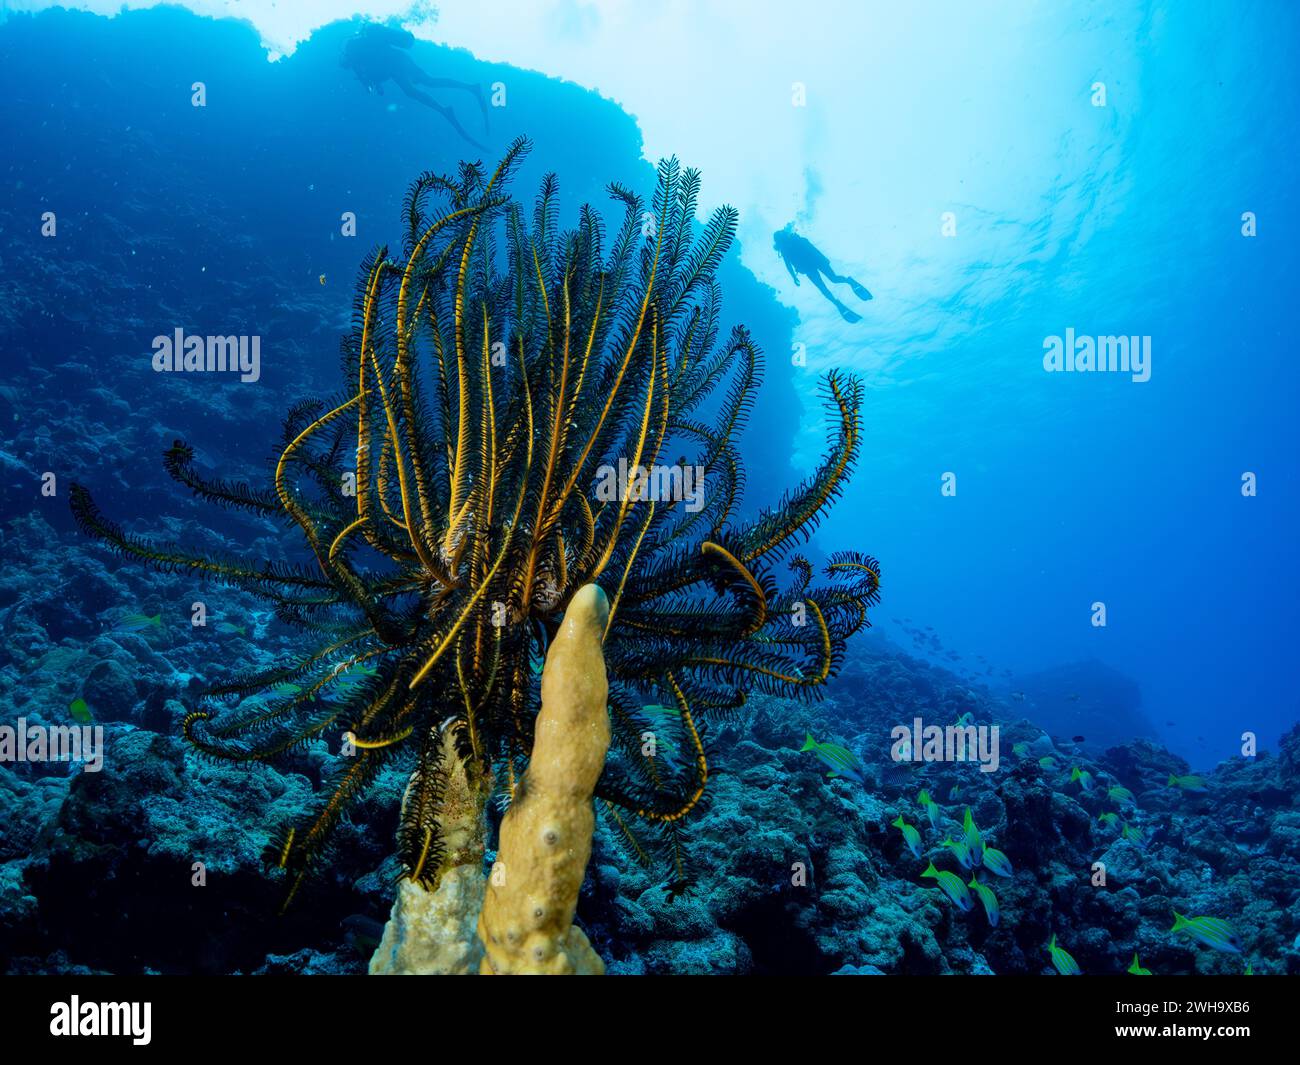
pixel 974 841
pixel 350 679
pixel 839 760
pixel 1020 750
pixel 1209 931
pixel 961 852
pixel 968 718
pixel 80 712
pixel 931 808
pixel 954 792
pixel 996 862
pixel 1119 793
pixel 363 934
pixel 138 623
pixel 1083 777
pixel 662 723
pixel 1047 761
pixel 1062 959
pixel 1136 968
pixel 229 628
pixel 657 714
pixel 951 885
pixel 910 835
pixel 1108 818
pixel 990 900
pixel 1191 782
pixel 1132 832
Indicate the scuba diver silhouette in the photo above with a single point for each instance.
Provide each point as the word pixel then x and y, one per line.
pixel 375 55
pixel 801 256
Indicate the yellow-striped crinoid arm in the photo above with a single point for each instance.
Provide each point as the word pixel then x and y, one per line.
pixel 559 430
pixel 691 801
pixel 92 522
pixel 461 469
pixel 631 560
pixel 863 572
pixel 758 617
pixel 369 311
pixel 290 504
pixel 619 378
pixel 421 488
pixel 637 455
pixel 826 658
pixel 802 511
pixel 448 638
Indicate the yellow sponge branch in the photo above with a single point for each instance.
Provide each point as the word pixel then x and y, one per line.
pixel 527 921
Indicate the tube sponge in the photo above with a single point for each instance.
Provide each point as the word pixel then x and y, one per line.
pixel 526 924
pixel 432 932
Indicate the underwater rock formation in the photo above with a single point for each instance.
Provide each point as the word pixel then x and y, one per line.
pixel 78 851
pixel 1089 698
pixel 77 854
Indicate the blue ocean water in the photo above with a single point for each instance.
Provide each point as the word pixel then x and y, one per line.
pixel 1005 502
pixel 1076 489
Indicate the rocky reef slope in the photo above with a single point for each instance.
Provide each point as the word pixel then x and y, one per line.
pixel 153 864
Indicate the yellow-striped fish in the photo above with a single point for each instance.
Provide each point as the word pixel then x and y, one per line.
pixel 1136 968
pixel 910 835
pixel 951 885
pixel 990 900
pixel 1210 931
pixel 1063 959
pixel 839 760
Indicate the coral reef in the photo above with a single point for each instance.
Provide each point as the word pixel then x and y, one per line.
pixel 861 903
pixel 796 872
